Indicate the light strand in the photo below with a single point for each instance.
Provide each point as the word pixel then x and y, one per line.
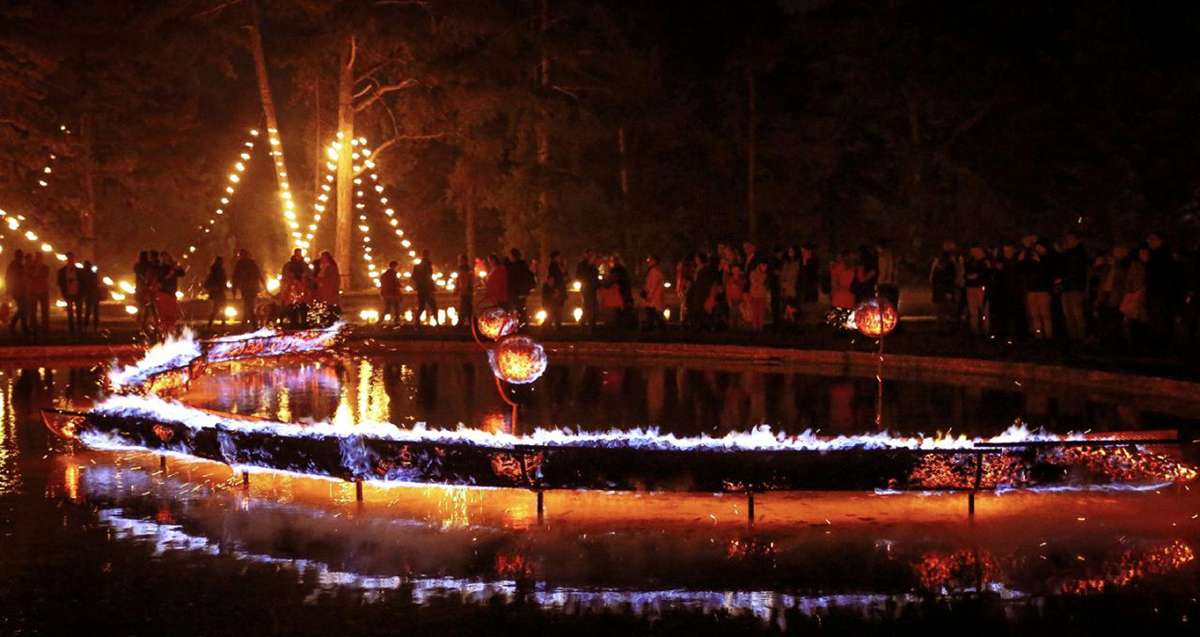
pixel 237 172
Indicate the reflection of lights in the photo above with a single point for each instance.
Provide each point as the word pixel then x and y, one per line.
pixel 126 287
pixel 578 314
pixel 60 303
pixel 369 316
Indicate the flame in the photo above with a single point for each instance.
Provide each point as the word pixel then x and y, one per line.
pixel 518 359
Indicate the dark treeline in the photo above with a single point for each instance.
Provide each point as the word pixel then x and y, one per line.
pixel 630 127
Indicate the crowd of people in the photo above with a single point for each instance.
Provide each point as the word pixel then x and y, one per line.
pixel 1033 289
pixel 1141 296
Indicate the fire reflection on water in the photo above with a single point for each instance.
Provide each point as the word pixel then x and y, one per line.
pixel 472 543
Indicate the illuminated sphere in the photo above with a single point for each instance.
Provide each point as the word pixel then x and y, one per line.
pixel 495 323
pixel 519 360
pixel 876 317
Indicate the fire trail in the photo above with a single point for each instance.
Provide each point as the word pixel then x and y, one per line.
pixel 635 460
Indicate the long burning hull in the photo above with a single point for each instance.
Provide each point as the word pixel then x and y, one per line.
pixel 622 465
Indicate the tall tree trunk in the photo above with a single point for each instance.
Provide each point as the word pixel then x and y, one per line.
pixel 545 211
pixel 273 136
pixel 751 157
pixel 624 183
pixel 87 212
pixel 469 220
pixel 345 165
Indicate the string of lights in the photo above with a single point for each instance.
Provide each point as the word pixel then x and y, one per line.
pixel 237 172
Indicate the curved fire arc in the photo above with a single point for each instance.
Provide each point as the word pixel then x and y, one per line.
pixel 140 418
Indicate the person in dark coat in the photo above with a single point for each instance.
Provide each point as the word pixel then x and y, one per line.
pixel 215 284
pixel 422 278
pixel 90 290
pixel 248 281
pixel 520 283
pixel 554 290
pixel 71 291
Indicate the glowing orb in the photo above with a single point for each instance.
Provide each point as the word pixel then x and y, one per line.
pixel 496 323
pixel 876 317
pixel 519 360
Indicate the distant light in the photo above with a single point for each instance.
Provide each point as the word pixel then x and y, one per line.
pixel 577 285
pixel 230 311
pixel 540 317
pixel 131 309
pixel 578 314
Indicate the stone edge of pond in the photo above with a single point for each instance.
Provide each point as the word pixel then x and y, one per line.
pixel 1016 370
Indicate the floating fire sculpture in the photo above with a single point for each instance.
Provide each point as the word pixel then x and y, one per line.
pixel 495 323
pixel 518 360
pixel 876 317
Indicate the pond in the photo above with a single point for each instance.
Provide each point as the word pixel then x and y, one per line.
pixel 111 543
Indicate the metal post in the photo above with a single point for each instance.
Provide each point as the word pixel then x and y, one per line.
pixel 245 481
pixel 358 494
pixel 750 507
pixel 975 487
pixel 162 462
pixel 541 507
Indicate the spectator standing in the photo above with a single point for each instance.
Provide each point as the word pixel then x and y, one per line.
pixel 215 285
pixel 1071 278
pixel 653 294
pixel 389 292
pixel 943 283
pixel 90 291
pixel 167 304
pixel 977 274
pixel 842 276
pixel 248 281
pixel 520 283
pixel 422 277
pixel 1005 298
pixel 735 286
pixel 1037 280
pixel 554 290
pixel 495 293
pixel 759 296
pixel 328 282
pixel 38 282
pixel 71 290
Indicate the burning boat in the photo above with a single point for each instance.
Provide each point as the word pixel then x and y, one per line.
pixel 143 415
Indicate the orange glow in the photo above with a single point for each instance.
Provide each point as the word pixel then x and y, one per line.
pixel 518 359
pixel 876 317
pixel 496 323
